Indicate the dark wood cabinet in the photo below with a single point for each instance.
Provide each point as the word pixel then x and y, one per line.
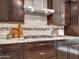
pixel 16 11
pixel 11 11
pixel 57 18
pixel 67 13
pixel 40 54
pixel 39 50
pixel 71 19
pixel 4 10
pixel 49 4
pixel 11 55
pixel 35 50
pixel 11 51
pixel 50 17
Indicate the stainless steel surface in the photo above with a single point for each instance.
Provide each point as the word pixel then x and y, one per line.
pixel 36 28
pixel 68 42
pixel 35 11
pixel 69 46
pixel 39 36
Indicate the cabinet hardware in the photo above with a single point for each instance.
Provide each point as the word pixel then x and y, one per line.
pixel 5 56
pixel 42 53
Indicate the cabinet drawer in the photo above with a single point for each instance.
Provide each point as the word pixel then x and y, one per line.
pixel 32 54
pixel 40 53
pixel 10 47
pixel 43 44
pixel 37 45
pixel 47 53
pixel 11 55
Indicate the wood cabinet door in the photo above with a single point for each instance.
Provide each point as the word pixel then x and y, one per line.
pixel 11 11
pixel 11 51
pixel 40 51
pixel 11 55
pixel 39 54
pixel 4 10
pixel 16 11
pixel 72 27
pixel 67 14
pixel 49 4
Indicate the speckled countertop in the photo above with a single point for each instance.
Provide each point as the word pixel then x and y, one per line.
pixel 22 40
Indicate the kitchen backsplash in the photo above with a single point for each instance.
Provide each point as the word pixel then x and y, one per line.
pixel 34 25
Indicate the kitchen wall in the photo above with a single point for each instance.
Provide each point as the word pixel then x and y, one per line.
pixel 33 25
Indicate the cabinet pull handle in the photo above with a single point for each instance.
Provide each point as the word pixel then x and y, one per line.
pixel 5 56
pixel 42 53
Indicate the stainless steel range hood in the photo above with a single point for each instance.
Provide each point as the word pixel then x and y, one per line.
pixel 36 11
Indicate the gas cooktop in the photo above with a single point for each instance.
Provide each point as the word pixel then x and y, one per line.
pixel 39 36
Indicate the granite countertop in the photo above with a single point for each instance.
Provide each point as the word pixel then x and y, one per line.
pixel 69 46
pixel 22 40
pixel 71 50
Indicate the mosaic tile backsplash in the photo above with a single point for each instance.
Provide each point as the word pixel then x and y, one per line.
pixel 34 25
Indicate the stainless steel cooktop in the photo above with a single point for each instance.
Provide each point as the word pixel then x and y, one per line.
pixel 39 36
